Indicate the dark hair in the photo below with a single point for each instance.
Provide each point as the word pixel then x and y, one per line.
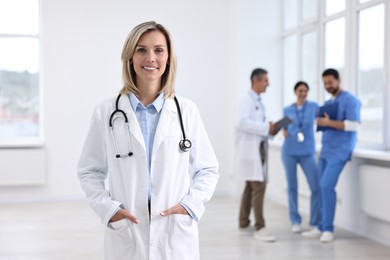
pixel 301 83
pixel 258 73
pixel 331 72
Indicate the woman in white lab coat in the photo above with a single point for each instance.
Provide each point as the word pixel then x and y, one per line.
pixel 156 189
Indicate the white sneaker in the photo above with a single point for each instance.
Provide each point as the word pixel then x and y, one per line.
pixel 264 235
pixel 327 237
pixel 247 229
pixel 314 233
pixel 296 228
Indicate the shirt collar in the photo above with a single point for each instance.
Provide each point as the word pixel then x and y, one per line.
pixel 254 95
pixel 157 103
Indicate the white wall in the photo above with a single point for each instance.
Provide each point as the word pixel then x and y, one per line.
pixel 82 43
pixel 257 44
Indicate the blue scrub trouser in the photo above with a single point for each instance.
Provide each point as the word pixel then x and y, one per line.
pixel 329 174
pixel 310 169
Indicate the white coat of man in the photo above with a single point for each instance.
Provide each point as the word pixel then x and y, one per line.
pixel 252 132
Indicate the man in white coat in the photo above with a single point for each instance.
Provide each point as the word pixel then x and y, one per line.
pixel 161 168
pixel 252 132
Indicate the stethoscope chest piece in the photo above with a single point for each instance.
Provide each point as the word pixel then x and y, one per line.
pixel 185 145
pixel 300 137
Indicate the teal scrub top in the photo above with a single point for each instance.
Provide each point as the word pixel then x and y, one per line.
pixel 338 144
pixel 303 121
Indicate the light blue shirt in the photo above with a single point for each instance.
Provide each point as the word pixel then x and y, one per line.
pixel 259 104
pixel 148 120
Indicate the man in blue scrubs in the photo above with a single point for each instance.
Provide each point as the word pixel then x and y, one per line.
pixel 338 142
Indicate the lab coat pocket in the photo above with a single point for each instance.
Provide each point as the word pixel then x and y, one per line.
pixel 118 225
pixel 119 241
pixel 183 236
pixel 182 217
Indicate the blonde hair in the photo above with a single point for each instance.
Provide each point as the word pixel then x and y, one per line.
pixel 128 72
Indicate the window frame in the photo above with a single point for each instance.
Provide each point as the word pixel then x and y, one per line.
pixel 350 73
pixel 303 27
pixel 38 141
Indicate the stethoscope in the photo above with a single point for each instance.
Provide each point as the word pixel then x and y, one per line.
pixel 184 144
pixel 300 135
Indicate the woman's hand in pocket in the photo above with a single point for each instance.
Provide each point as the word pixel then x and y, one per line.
pixel 177 209
pixel 124 214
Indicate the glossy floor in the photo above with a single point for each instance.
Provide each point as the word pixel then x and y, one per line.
pixel 70 230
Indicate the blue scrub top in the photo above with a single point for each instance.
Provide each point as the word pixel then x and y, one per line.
pixel 338 144
pixel 304 116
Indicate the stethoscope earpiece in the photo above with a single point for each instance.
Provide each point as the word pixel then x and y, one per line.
pixel 125 155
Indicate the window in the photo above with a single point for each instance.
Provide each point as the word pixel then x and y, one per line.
pixel 335 44
pixel 300 49
pixel 350 36
pixel 334 6
pixel 370 72
pixel 309 9
pixel 20 119
pixel 310 63
pixel 289 68
pixel 290 14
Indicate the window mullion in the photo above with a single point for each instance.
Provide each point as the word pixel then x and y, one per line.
pixel 386 96
pixel 321 48
pixel 351 50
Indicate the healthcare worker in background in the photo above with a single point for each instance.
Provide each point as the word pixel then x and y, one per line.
pixel 299 148
pixel 252 132
pixel 156 189
pixel 338 142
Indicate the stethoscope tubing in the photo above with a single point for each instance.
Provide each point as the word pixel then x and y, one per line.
pixel 184 144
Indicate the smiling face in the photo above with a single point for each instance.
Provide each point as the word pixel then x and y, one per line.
pixel 260 83
pixel 301 92
pixel 332 85
pixel 150 57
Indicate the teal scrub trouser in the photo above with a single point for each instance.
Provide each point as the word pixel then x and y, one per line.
pixel 310 169
pixel 329 174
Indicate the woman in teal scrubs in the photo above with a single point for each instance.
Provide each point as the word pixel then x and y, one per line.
pixel 299 148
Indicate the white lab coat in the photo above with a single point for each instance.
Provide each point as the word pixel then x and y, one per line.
pixel 251 128
pixel 177 176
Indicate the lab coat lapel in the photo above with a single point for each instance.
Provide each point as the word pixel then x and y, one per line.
pixel 135 129
pixel 165 123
